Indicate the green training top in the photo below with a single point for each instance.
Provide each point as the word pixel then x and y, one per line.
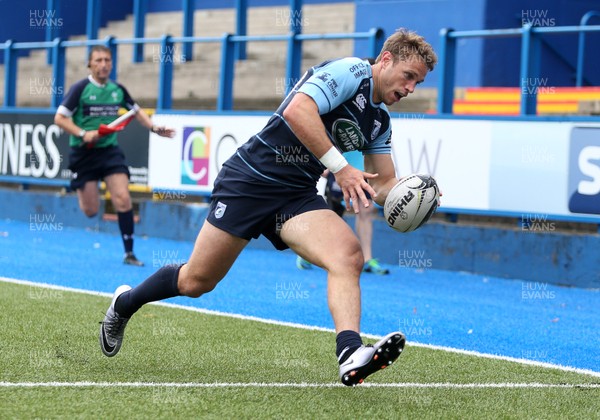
pixel 91 104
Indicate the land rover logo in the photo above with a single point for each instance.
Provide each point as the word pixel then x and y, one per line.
pixel 347 135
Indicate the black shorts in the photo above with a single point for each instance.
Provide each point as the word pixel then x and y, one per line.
pixel 95 164
pixel 337 206
pixel 247 209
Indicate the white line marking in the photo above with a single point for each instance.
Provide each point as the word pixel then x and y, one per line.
pixel 314 328
pixel 85 384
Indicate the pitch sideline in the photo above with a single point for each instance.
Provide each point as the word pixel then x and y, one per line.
pixel 310 327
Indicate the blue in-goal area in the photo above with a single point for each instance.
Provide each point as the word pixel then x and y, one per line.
pixel 520 319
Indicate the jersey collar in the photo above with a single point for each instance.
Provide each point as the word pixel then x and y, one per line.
pixel 95 82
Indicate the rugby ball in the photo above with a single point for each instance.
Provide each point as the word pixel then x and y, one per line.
pixel 411 202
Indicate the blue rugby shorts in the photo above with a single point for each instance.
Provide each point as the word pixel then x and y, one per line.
pixel 247 209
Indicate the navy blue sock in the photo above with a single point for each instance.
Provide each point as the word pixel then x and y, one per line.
pixel 347 341
pixel 160 285
pixel 126 228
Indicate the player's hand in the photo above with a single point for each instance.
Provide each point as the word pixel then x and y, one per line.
pixel 353 184
pixel 91 137
pixel 163 131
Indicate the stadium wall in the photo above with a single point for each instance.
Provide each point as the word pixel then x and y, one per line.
pixel 483 62
pixel 513 167
pixel 559 53
pixel 29 20
pixel 173 5
pixel 543 257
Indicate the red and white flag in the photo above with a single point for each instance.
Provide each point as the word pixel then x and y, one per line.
pixel 118 124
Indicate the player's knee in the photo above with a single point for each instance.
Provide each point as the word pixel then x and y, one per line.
pixel 194 285
pixel 122 201
pixel 356 260
pixel 89 212
pixel 195 290
pixel 349 261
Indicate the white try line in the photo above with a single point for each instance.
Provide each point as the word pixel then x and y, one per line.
pixel 312 328
pixel 85 384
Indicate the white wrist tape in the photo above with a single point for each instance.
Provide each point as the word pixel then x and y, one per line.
pixel 333 160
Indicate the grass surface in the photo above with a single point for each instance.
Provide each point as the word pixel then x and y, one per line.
pixel 50 335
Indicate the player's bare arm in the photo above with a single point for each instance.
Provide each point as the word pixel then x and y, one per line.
pixel 383 165
pixel 67 124
pixel 302 115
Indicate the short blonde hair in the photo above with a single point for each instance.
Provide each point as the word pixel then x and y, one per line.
pixel 407 45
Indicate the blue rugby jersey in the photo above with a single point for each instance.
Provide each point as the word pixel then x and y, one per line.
pixel 343 92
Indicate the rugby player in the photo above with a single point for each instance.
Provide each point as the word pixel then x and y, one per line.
pixel 268 187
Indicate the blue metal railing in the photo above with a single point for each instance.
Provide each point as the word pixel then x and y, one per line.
pixel 139 27
pixel 188 28
pixel 581 50
pixel 166 59
pixel 92 19
pixel 530 59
